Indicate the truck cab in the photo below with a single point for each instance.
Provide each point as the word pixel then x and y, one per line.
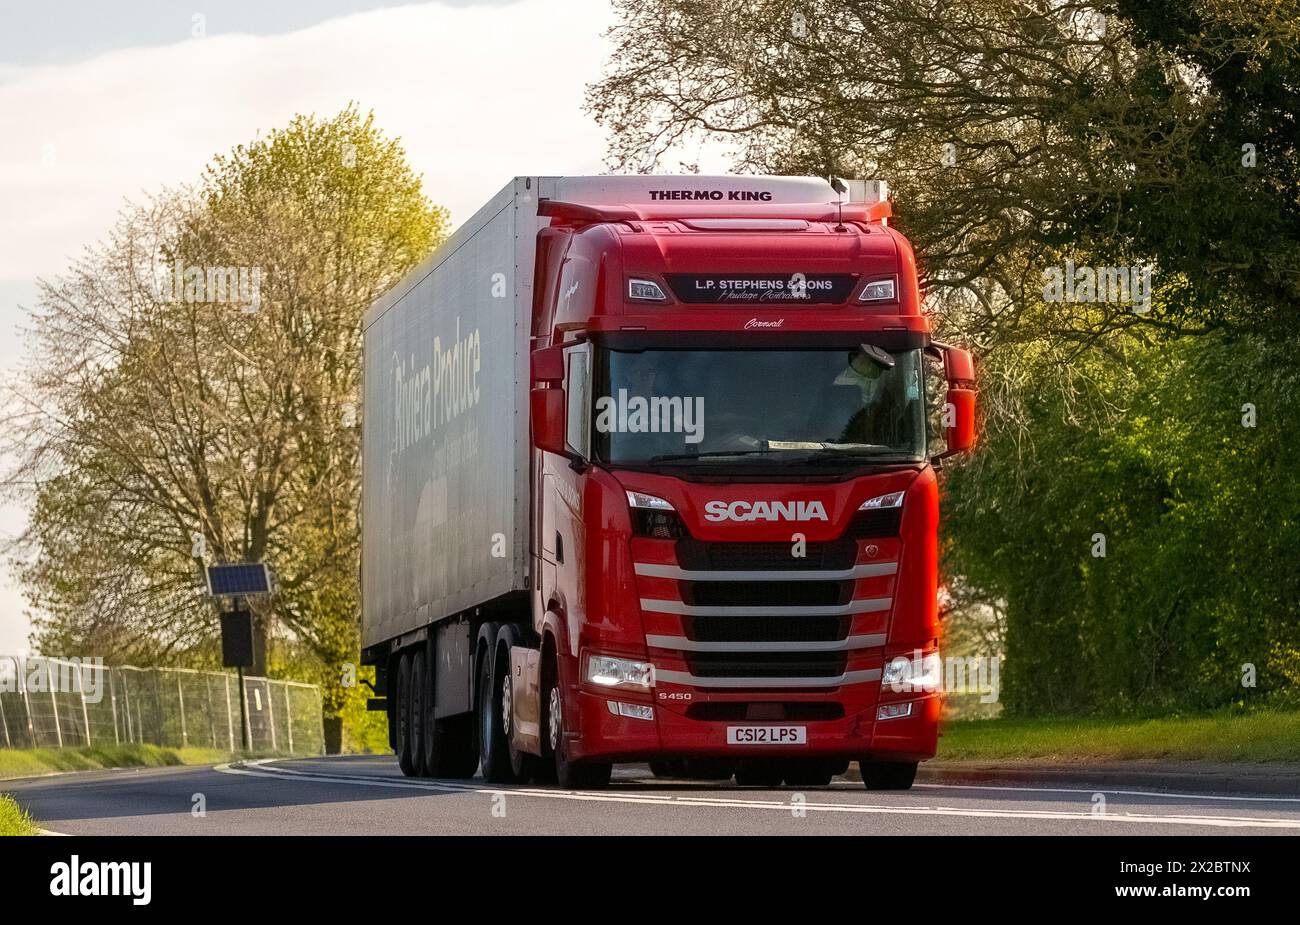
pixel 734 530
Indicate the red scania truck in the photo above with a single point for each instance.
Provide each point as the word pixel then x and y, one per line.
pixel 647 477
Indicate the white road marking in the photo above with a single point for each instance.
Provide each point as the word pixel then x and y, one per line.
pixel 262 768
pixel 1165 794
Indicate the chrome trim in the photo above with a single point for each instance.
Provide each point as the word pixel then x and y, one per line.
pixel 865 605
pixel 821 645
pixel 690 680
pixel 867 570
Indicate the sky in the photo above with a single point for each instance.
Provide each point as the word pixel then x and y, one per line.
pixel 104 103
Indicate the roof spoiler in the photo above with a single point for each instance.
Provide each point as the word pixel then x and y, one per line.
pixel 581 214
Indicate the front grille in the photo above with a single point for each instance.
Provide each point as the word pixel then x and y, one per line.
pixel 766 664
pixel 733 711
pixel 766 593
pixel 765 629
pixel 697 555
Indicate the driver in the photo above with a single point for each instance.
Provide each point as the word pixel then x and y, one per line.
pixel 871 370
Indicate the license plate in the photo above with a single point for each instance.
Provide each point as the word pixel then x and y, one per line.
pixel 767 735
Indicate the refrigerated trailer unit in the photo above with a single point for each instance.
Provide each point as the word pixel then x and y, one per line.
pixel 646 477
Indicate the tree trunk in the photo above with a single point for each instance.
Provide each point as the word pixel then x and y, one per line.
pixel 333 735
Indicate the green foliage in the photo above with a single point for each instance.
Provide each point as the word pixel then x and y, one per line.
pixel 30 762
pixel 1200 514
pixel 14 820
pixel 1226 735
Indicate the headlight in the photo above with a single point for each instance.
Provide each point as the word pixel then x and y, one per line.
pixel 654 517
pixel 880 502
pixel 879 290
pixel 919 673
pixel 639 499
pixel 645 290
pixel 625 673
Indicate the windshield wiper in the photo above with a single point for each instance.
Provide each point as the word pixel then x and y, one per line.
pixel 882 454
pixel 669 457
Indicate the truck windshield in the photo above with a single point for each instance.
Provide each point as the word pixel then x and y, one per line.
pixel 685 407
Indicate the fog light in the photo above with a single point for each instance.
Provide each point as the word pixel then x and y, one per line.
pixel 894 711
pixel 630 710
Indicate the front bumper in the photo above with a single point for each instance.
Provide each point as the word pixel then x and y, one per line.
pixel 602 735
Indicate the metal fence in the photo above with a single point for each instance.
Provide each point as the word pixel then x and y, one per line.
pixel 90 705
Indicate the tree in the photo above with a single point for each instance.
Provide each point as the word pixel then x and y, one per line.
pixel 193 387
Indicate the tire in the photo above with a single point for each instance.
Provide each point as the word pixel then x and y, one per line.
pixel 888 775
pixel 523 764
pixel 421 709
pixel 759 773
pixel 405 760
pixel 809 772
pixel 663 768
pixel 588 775
pixel 493 699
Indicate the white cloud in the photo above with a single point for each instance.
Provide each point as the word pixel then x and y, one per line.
pixel 477 94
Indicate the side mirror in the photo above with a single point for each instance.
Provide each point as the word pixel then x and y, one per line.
pixel 959 420
pixel 548 365
pixel 548 420
pixel 957 365
pixel 959 408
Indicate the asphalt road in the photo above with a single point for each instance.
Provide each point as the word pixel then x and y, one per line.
pixel 369 796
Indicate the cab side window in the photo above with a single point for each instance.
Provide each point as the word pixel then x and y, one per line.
pixel 577 387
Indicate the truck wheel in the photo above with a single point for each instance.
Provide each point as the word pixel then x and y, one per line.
pixel 493 720
pixel 522 764
pixel 663 768
pixel 888 775
pixel 759 773
pixel 570 775
pixel 808 772
pixel 421 713
pixel 403 716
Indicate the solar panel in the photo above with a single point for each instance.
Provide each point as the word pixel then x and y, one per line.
pixel 239 578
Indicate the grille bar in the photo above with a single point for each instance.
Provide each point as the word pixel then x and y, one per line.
pixel 867 641
pixel 870 570
pixel 864 605
pixel 690 680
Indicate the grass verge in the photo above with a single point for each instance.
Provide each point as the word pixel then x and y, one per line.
pixel 1225 736
pixel 33 761
pixel 14 819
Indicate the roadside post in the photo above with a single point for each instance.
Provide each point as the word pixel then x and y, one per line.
pixel 234 583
